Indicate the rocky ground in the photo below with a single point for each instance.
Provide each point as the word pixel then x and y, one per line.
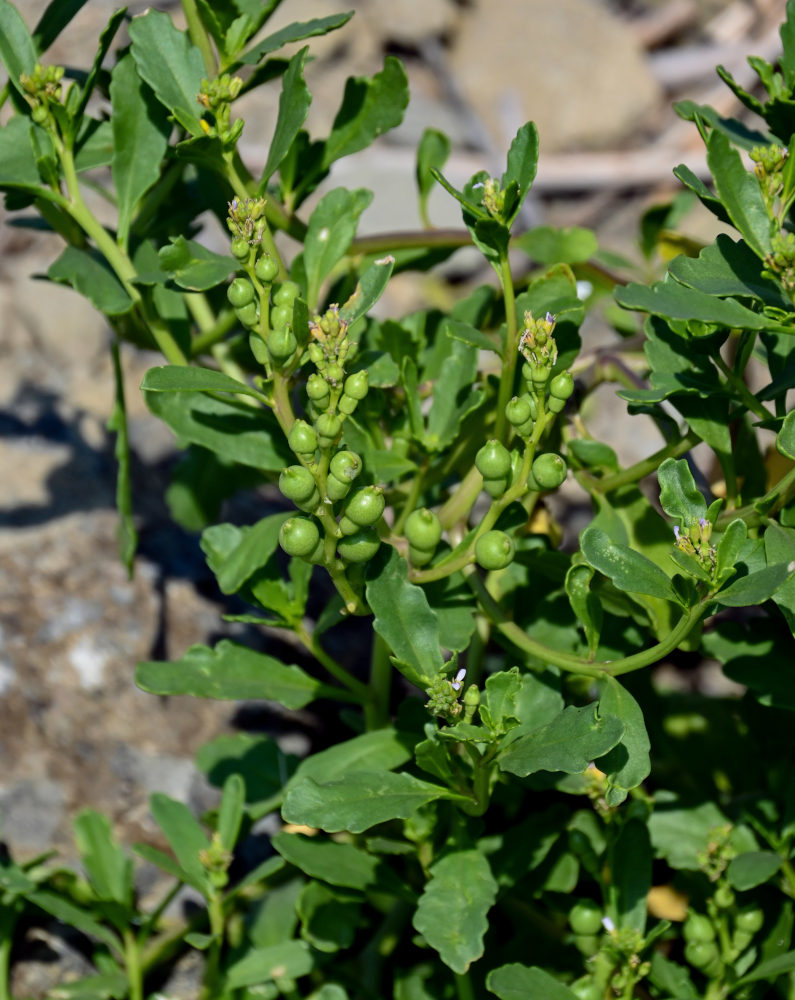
pixel 598 77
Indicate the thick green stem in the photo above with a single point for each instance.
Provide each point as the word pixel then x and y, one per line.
pixel 199 37
pixel 211 983
pixel 376 712
pixel 132 961
pixel 205 340
pixel 463 986
pixel 645 467
pixel 511 353
pixel 576 664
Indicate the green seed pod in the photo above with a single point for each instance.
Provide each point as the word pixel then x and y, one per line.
pixel 749 919
pixel 423 530
pixel 248 315
pixel 420 557
pixel 587 989
pixel 317 389
pixel 359 547
pixel 240 293
pixel 286 294
pixel 299 536
pixel 549 471
pixel 494 550
pixel 356 385
pixel 347 404
pixel 297 483
pixel 266 268
pixel 302 438
pixel 347 526
pixel 281 344
pixel 493 461
pixel 310 505
pixel 518 412
pixel 240 248
pixel 281 316
pixel 585 917
pixel 698 927
pixel 318 554
pixel 366 506
pixel 346 466
pixel 555 405
pixel 337 489
pixel 540 376
pixel 701 954
pixel 315 352
pixel 335 373
pixel 496 487
pixel 39 114
pixel 562 386
pixel 587 944
pixel 329 428
pixel 724 896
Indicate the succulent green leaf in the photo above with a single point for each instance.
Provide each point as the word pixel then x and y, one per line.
pixel 288 960
pixel 230 811
pixel 236 432
pixel 584 603
pixel 631 875
pixel 184 834
pixel 787 32
pixel 105 41
pixel 17 49
pixel 380 750
pixel 520 982
pixel 74 916
pixel 679 496
pixel 193 266
pixel 53 20
pixel 17 159
pixel 358 801
pixel 91 276
pixel 171 66
pixel 295 32
pixel 329 918
pixel 770 970
pixel 108 867
pixel 117 423
pixel 331 229
pixel 785 439
pixel 522 165
pixel 468 334
pixel 752 868
pixel 627 764
pixel 140 138
pixel 432 152
pixel 369 289
pixel 727 268
pixel 186 378
pixel 338 864
pixel 780 548
pixel 699 188
pixel 740 193
pixel 629 570
pixel 681 833
pixel 755 588
pixel 676 301
pixel 728 549
pixel 568 743
pixel 370 107
pixel 256 544
pixel 404 619
pixel 548 245
pixel 498 710
pixel 230 672
pixel 293 108
pixel 452 911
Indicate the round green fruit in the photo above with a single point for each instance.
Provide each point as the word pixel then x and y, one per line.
pixel 286 294
pixel 493 461
pixel 586 989
pixel 335 373
pixel 281 316
pixel 297 483
pixel 494 550
pixel 749 919
pixel 549 471
pixel 698 927
pixel 240 248
pixel 562 386
pixel 299 536
pixel 495 487
pixel 587 944
pixel 356 385
pixel 336 489
pixel 317 388
pixel 724 896
pixel 366 506
pixel 346 466
pixel 281 343
pixel 701 954
pixel 585 917
pixel 302 438
pixel 347 404
pixel 328 427
pixel 248 315
pixel 359 547
pixel 266 268
pixel 240 293
pixel 420 557
pixel 518 411
pixel 423 530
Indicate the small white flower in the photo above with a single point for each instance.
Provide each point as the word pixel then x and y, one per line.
pixel 459 677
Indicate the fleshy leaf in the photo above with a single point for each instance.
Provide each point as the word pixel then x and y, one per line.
pixel 188 378
pixel 629 570
pixel 740 193
pixel 331 229
pixel 679 496
pixel 627 764
pixel 452 911
pixel 568 743
pixel 92 277
pixel 521 982
pixel 752 868
pixel 293 108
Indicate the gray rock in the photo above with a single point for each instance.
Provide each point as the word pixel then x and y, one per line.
pixel 570 66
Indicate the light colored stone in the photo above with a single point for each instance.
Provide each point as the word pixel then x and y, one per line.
pixel 410 21
pixel 570 66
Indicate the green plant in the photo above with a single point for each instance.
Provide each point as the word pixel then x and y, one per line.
pixel 488 763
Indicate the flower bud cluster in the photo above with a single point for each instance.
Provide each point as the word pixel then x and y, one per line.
pixel 42 88
pixel 217 96
pixel 444 694
pixel 538 347
pixel 780 262
pixel 493 199
pixel 246 219
pixel 768 164
pixel 695 541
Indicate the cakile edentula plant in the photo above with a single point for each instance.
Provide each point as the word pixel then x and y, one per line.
pixel 506 798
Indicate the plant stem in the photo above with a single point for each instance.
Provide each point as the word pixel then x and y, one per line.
pixel 463 987
pixel 569 661
pixel 205 340
pixel 199 37
pixel 511 353
pixel 376 711
pixel 132 961
pixel 337 671
pixel 641 469
pixel 741 389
